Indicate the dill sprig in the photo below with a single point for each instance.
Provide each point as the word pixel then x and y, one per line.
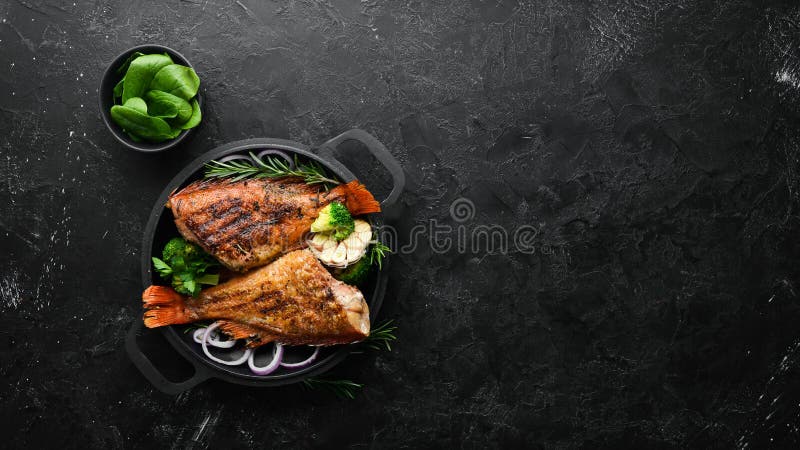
pixel 377 252
pixel 381 336
pixel 269 167
pixel 340 388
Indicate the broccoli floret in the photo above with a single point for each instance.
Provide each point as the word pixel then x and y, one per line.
pixel 177 247
pixel 185 264
pixel 334 218
pixel 354 274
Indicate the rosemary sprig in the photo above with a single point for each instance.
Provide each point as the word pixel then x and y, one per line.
pixel 269 167
pixel 381 336
pixel 377 252
pixel 340 388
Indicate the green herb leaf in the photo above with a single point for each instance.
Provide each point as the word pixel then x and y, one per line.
pixel 163 268
pixel 381 336
pixel 210 279
pixel 269 167
pixel 190 285
pixel 177 80
pixel 187 263
pixel 140 74
pixel 340 388
pixel 377 252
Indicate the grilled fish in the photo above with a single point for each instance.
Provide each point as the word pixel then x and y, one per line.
pixel 248 223
pixel 292 301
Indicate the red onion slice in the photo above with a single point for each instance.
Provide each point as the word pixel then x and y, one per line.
pixel 247 353
pixel 197 335
pixel 277 356
pixel 213 339
pixel 303 363
pixel 209 337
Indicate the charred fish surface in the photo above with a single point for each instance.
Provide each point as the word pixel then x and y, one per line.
pixel 293 301
pixel 248 223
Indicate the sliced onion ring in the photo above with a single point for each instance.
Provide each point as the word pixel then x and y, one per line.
pixel 247 353
pixel 303 363
pixel 197 335
pixel 277 356
pixel 213 339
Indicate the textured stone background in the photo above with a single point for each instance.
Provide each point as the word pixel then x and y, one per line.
pixel 653 144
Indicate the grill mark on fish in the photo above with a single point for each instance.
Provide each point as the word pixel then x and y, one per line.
pixel 219 217
pixel 227 231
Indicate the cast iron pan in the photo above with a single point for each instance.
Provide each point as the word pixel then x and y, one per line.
pixel 161 228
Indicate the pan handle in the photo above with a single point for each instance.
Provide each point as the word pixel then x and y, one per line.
pixel 381 154
pixel 153 375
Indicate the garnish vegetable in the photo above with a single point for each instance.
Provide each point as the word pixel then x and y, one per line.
pixel 354 274
pixel 336 219
pixel 269 167
pixel 335 253
pixel 186 265
pixel 357 273
pixel 155 99
pixel 381 336
pixel 340 388
pixel 230 354
pixel 377 252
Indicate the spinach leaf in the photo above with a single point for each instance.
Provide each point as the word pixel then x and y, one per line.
pixel 168 106
pixel 124 67
pixel 118 90
pixel 196 116
pixel 140 74
pixel 154 100
pixel 174 133
pixel 177 80
pixel 140 124
pixel 137 104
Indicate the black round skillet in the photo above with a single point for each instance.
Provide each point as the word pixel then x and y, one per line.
pixel 161 228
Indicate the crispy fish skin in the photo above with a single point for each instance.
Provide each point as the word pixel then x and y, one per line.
pixel 293 301
pixel 248 223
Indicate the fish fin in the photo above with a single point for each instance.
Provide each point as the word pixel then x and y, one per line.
pixel 164 307
pixel 253 335
pixel 359 200
pixel 238 330
pixel 259 340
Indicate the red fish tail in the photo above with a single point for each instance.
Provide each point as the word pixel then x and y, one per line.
pixel 359 200
pixel 164 307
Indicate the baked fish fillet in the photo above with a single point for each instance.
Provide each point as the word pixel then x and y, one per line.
pixel 248 223
pixel 292 301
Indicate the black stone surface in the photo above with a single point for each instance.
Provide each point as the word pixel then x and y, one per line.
pixel 652 144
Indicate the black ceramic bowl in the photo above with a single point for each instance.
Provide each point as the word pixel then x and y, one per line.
pixel 111 78
pixel 161 227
